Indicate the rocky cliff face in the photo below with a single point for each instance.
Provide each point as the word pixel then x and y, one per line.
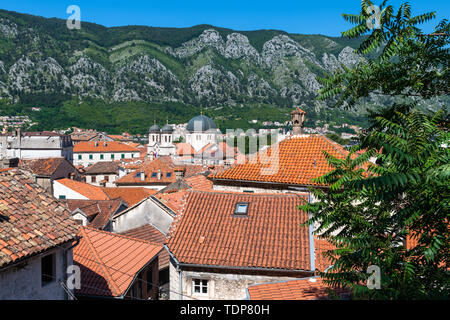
pixel 213 68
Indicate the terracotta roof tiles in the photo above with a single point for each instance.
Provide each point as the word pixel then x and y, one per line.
pixel 150 233
pixel 207 232
pixel 109 262
pixel 295 161
pixel 302 289
pixel 103 146
pixel 89 191
pixel 31 220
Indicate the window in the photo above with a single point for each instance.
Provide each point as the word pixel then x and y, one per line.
pixel 168 174
pixel 132 155
pixel 102 156
pixel 200 286
pixel 62 197
pixel 91 157
pixel 241 208
pixel 153 174
pixel 94 179
pixel 79 157
pixel 106 178
pixel 138 174
pixel 112 156
pixel 199 137
pixel 122 155
pixel 48 269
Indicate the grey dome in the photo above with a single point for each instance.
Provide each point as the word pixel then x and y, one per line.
pixel 200 123
pixel 155 128
pixel 167 128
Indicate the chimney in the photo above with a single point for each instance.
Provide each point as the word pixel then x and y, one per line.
pixel 159 174
pixel 179 172
pixel 9 163
pixel 298 119
pixel 96 143
pixel 142 175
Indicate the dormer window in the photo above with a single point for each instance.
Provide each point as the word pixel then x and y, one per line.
pixel 241 208
pixel 169 174
pixel 153 174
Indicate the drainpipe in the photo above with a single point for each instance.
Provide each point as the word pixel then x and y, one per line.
pixel 312 253
pixel 180 273
pixel 65 258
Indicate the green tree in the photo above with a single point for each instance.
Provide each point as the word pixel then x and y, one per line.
pixel 370 212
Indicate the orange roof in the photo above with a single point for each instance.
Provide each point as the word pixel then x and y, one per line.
pixel 199 182
pixel 103 146
pixel 117 137
pixel 174 200
pixel 130 195
pixel 269 236
pixel 184 148
pixel 298 110
pixel 31 220
pixel 89 191
pixel 43 166
pixel 149 233
pixel 302 289
pixel 109 262
pixel 299 160
pixel 98 212
pixel 151 169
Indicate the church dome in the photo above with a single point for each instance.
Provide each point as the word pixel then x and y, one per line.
pixel 167 129
pixel 200 123
pixel 155 128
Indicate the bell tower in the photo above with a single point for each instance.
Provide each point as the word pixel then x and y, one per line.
pixel 298 118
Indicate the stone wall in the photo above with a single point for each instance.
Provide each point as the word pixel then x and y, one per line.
pixel 24 282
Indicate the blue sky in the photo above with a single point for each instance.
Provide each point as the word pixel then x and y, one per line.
pixel 306 17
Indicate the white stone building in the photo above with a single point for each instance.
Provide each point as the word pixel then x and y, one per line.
pixel 160 141
pixel 88 153
pixel 35 145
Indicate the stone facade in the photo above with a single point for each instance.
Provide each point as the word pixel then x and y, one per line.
pixel 220 286
pixel 23 282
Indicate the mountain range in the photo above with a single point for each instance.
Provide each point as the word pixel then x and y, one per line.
pixel 202 66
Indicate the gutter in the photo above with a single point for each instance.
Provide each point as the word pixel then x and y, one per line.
pixel 242 268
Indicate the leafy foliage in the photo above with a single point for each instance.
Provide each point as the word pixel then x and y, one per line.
pixel 408 62
pixel 371 211
pixel 391 212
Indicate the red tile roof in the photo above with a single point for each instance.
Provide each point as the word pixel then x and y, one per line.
pixel 164 165
pixel 302 289
pixel 131 196
pixel 103 146
pixel 103 167
pixel 299 160
pixel 42 167
pixel 208 233
pixel 298 110
pixel 321 246
pixel 89 191
pixel 109 262
pixel 184 149
pixel 149 233
pixel 98 211
pixel 31 220
pixel 199 182
pixel 174 200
